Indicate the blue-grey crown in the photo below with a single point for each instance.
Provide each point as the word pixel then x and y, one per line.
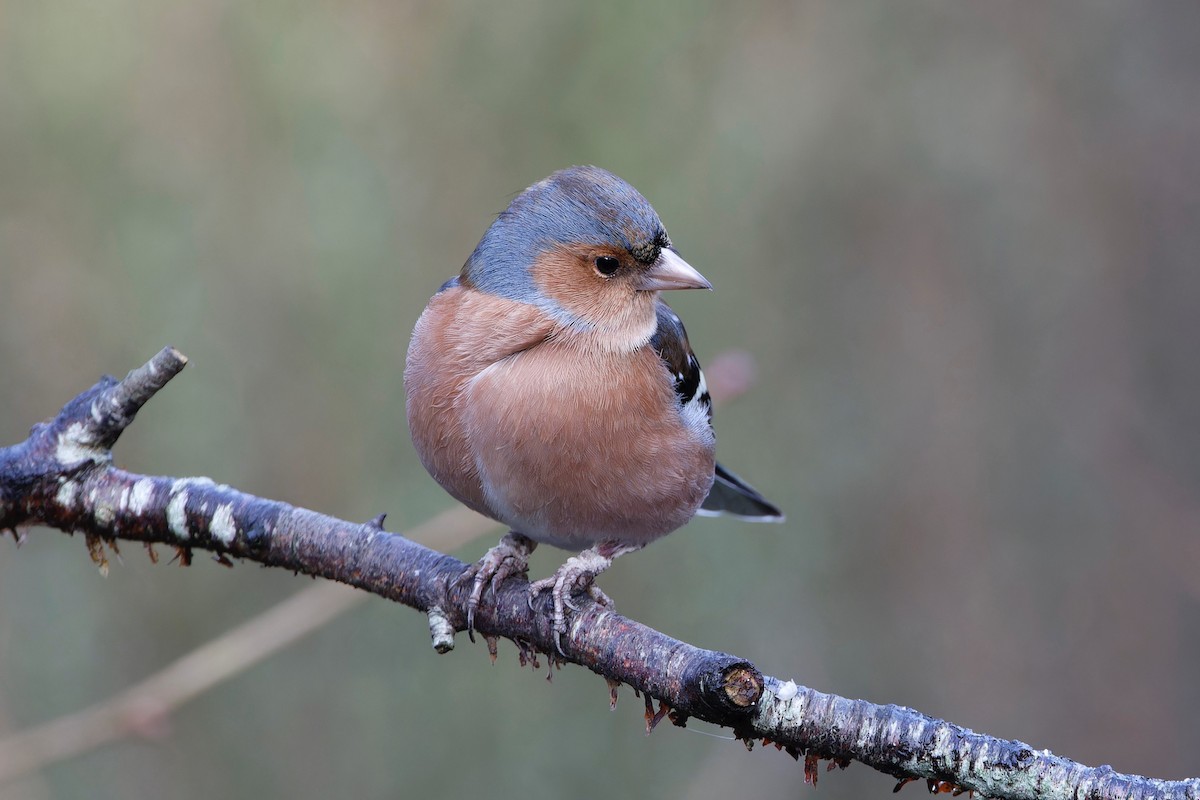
pixel 577 205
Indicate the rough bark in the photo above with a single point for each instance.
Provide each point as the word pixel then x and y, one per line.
pixel 62 477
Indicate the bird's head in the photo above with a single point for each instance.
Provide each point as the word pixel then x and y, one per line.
pixel 588 249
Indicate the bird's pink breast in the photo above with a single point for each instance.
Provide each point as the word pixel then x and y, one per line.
pixel 566 444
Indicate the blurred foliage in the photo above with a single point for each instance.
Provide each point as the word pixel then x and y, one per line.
pixel 960 240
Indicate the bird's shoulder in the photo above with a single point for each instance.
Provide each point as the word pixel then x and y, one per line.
pixel 670 342
pixel 462 325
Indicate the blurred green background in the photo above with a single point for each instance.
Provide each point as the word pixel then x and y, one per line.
pixel 961 241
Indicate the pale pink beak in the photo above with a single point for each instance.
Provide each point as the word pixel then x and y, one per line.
pixel 671 272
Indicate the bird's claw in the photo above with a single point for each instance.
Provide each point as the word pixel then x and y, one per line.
pixel 576 576
pixel 510 557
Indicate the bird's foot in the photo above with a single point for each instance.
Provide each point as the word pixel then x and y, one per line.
pixel 510 557
pixel 576 577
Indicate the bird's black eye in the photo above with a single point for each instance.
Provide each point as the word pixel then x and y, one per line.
pixel 607 265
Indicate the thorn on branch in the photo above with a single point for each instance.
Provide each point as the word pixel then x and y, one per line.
pixel 613 686
pixel 812 769
pixel 183 555
pixel 527 654
pixel 654 717
pixel 376 523
pixel 95 547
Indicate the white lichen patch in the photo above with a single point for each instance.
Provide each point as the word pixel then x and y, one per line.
pixel 188 483
pixel 941 747
pixel 867 731
pixel 787 691
pixel 123 501
pixel 222 526
pixel 105 514
pixel 981 757
pixel 139 498
pixel 891 731
pixel 177 511
pixel 66 494
pixel 74 447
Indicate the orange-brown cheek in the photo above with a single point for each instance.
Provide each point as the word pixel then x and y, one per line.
pixel 566 279
pixel 622 316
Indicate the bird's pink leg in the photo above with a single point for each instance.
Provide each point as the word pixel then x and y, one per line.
pixel 510 557
pixel 576 577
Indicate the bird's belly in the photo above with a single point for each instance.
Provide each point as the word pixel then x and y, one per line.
pixel 569 455
pixel 577 492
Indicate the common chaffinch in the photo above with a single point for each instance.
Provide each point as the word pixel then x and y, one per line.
pixel 552 389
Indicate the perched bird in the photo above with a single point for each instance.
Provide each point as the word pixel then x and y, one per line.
pixel 550 387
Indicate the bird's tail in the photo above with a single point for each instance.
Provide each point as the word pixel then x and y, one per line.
pixel 732 495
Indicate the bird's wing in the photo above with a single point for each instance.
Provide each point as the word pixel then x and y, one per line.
pixel 671 343
pixel 729 494
pixel 732 495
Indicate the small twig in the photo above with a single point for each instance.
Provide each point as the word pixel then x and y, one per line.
pixel 62 477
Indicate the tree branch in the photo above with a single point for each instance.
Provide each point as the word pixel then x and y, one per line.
pixel 62 477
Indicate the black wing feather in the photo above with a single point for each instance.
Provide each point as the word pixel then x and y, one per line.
pixel 729 494
pixel 732 495
pixel 671 343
